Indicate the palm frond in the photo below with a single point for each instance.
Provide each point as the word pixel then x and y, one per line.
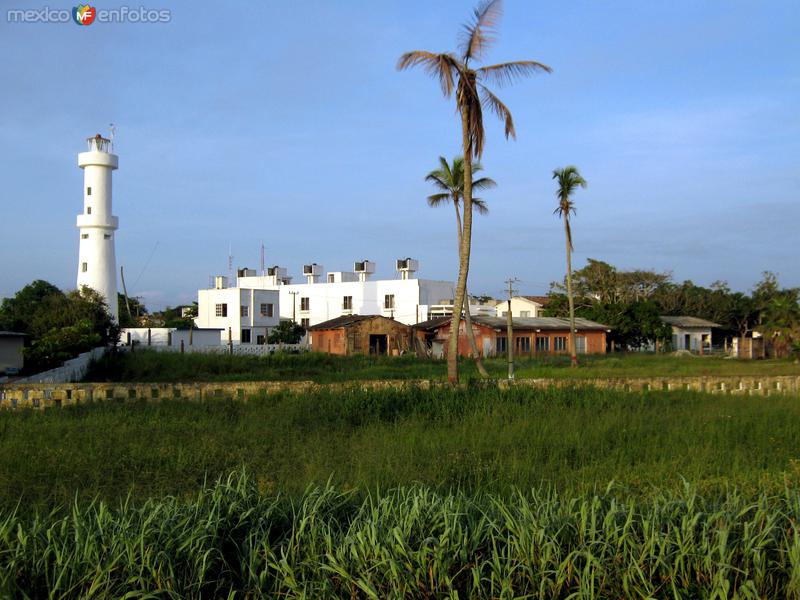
pixel 484 183
pixel 439 179
pixel 438 199
pixel 441 66
pixel 500 109
pixel 506 73
pixel 480 206
pixel 477 34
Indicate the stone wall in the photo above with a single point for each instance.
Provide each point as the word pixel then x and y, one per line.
pixel 43 395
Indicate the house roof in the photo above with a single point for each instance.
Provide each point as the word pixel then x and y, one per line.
pixel 689 322
pixel 346 321
pixel 520 323
pixel 541 300
pixel 12 334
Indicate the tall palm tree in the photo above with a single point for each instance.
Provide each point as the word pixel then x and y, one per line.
pixel 569 179
pixel 456 74
pixel 450 179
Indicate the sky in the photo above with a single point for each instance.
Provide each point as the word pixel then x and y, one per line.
pixel 288 124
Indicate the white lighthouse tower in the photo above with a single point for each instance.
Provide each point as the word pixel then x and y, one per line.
pixel 97 264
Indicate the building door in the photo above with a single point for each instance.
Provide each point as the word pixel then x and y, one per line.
pixel 487 346
pixel 378 344
pixel 687 342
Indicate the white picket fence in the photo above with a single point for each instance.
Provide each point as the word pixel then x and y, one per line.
pixel 72 370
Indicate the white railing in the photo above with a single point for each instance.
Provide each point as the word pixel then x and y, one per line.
pixel 241 349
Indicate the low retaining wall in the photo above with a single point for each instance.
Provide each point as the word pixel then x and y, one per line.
pixel 42 396
pixel 72 370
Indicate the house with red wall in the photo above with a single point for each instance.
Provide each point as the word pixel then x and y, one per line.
pixel 532 336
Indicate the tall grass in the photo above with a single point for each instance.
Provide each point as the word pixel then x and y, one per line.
pixel 229 540
pixel 150 366
pixel 477 439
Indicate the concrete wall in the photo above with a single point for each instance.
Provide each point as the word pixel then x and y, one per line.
pixel 72 370
pixel 11 352
pixel 41 396
pixel 235 298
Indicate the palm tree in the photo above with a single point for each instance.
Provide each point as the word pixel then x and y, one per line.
pixel 450 179
pixel 569 179
pixel 456 74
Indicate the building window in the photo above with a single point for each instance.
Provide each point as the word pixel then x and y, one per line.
pixel 560 344
pixel 84 236
pixel 261 340
pixel 305 303
pixel 388 301
pixel 331 278
pixel 347 303
pixel 243 312
pixel 523 344
pixel 505 313
pixel 221 310
pixel 267 310
pixel 84 267
pixel 304 323
pixel 502 345
pixel 245 339
pixel 106 236
pixel 543 344
pixel 580 344
pixel 89 191
pixel 88 210
pixel 524 313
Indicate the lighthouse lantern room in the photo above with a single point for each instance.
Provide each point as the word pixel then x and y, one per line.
pixel 97 265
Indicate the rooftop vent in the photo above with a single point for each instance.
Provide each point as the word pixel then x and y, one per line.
pixel 313 272
pixel 364 268
pixel 407 266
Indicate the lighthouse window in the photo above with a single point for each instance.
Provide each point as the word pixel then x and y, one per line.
pixel 88 210
pixel 84 236
pixel 84 267
pixel 89 191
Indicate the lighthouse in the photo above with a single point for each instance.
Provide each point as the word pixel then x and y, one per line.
pixel 97 264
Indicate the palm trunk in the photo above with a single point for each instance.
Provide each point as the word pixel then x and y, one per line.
pixel 463 253
pixel 572 352
pixel 467 317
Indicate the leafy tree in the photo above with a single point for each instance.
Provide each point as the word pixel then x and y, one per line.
pixel 450 180
pixel 569 179
pixel 18 313
pixel 137 307
pixel 456 73
pixel 287 332
pixel 60 325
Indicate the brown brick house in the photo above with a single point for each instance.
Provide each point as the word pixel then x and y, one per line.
pixel 532 336
pixel 360 334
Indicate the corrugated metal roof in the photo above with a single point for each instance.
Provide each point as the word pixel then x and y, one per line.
pixel 689 322
pixel 521 323
pixel 344 321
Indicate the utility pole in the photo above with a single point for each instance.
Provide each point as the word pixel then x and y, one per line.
pixel 510 329
pixel 294 306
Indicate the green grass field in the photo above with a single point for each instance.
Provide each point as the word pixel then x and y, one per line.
pixel 231 541
pixel 149 366
pixel 476 439
pixel 570 492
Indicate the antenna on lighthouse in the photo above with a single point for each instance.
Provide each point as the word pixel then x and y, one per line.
pixel 113 133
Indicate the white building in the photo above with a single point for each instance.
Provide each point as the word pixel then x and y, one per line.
pixel 690 333
pixel 338 293
pixel 521 307
pixel 246 312
pixel 97 265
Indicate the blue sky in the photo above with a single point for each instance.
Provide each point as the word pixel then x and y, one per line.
pixel 288 123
